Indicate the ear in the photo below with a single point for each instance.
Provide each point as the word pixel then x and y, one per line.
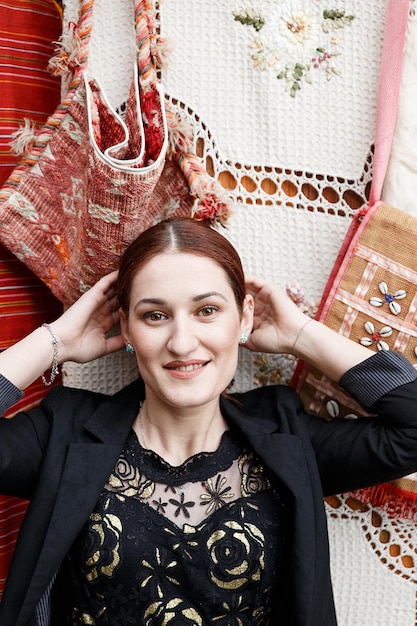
pixel 124 325
pixel 246 323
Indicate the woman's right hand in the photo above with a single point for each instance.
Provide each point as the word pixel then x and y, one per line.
pixel 81 334
pixel 82 330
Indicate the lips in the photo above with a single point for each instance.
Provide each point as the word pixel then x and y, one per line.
pixel 180 366
pixel 183 369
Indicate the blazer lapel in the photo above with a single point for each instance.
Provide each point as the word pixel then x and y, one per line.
pixel 86 469
pixel 284 454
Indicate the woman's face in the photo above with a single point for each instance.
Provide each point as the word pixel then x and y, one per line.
pixel 185 327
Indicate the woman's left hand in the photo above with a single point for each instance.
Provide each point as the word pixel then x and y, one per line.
pixel 279 326
pixel 277 319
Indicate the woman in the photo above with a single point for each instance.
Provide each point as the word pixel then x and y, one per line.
pixel 172 502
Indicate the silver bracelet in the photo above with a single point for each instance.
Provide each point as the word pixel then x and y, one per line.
pixel 55 362
pixel 299 333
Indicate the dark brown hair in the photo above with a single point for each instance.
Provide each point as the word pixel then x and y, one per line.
pixel 180 235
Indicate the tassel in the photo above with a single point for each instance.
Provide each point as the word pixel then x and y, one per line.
pixel 180 136
pixel 68 52
pixel 212 202
pixel 161 50
pixel 23 138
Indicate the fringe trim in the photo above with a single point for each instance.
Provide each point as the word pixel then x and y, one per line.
pixel 68 52
pixel 212 203
pixel 397 502
pixel 23 138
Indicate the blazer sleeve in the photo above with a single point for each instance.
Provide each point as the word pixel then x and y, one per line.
pixel 23 440
pixel 9 394
pixel 353 454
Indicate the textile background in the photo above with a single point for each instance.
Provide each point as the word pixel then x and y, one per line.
pixel 281 95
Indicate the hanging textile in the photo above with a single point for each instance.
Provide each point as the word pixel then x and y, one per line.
pixel 27 90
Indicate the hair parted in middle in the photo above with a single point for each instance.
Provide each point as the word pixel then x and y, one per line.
pixel 180 235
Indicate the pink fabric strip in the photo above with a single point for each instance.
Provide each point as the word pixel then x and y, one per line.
pixel 378 314
pixel 386 263
pixel 343 260
pixel 389 88
pixel 324 389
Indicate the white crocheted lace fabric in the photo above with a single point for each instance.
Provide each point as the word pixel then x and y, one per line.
pixel 227 63
pixel 374 566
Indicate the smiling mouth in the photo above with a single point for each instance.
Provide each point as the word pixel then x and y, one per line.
pixel 186 368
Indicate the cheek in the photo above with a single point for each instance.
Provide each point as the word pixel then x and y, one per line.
pixel 147 346
pixel 227 338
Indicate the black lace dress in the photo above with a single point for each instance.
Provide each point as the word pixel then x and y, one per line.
pixel 201 543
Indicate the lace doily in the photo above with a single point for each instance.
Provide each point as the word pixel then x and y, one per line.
pixel 367 547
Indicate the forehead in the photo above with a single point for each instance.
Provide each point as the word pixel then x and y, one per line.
pixel 180 270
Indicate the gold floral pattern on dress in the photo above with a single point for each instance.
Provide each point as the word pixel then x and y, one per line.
pixel 126 480
pixel 137 562
pixel 158 568
pixel 236 551
pixel 104 546
pixel 295 39
pixel 253 477
pixel 175 611
pixel 217 493
pixel 86 619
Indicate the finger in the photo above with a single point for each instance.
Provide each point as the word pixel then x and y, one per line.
pixel 114 343
pixel 107 283
pixel 254 281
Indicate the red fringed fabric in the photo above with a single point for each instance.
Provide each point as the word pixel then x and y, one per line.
pixel 398 499
pixel 27 90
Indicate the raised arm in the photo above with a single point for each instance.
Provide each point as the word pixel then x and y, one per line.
pixel 281 327
pixel 81 336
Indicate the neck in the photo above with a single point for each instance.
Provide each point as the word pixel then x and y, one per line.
pixel 178 435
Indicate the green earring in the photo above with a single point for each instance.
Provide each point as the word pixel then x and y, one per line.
pixel 129 348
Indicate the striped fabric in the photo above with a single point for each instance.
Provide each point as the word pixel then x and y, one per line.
pixel 27 90
pixel 25 302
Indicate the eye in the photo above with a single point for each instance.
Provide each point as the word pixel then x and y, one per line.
pixel 208 310
pixel 155 316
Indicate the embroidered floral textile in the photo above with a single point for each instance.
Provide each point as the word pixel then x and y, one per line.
pixel 296 40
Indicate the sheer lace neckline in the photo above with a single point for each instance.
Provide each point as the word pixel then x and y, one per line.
pixel 199 465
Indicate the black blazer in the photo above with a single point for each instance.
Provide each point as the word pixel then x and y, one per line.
pixel 61 454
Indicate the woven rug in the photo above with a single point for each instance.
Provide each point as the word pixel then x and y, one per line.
pixel 27 28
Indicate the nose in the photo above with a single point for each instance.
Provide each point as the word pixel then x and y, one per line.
pixel 183 339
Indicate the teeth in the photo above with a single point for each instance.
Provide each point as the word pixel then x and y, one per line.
pixel 189 368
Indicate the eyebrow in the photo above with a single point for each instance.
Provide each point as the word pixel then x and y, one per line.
pixel 198 298
pixel 209 294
